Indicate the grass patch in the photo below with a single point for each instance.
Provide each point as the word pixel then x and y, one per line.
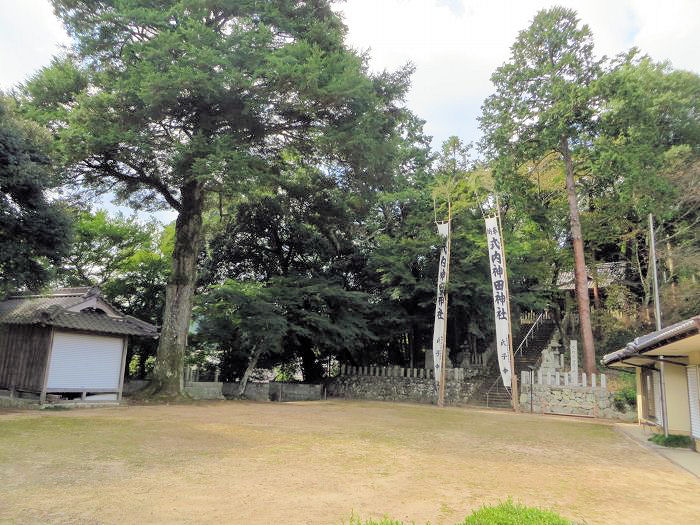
pixel 672 440
pixel 509 513
pixel 506 513
pixel 355 520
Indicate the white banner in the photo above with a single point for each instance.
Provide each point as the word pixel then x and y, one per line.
pixel 440 303
pixel 500 298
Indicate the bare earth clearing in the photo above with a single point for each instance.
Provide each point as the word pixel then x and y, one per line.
pixel 240 462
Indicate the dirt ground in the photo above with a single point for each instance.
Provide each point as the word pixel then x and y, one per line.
pixel 320 462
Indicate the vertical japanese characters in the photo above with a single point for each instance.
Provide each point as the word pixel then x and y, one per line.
pixel 500 299
pixel 441 303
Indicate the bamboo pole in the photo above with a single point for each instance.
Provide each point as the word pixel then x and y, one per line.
pixel 515 397
pixel 443 375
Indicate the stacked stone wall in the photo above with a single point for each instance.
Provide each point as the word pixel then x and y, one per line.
pixel 572 400
pixel 397 384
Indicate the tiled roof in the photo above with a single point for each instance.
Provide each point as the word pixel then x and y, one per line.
pixel 653 340
pixel 51 310
pixel 18 306
pixel 608 273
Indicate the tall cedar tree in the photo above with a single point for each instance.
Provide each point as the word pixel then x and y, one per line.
pixel 545 102
pixel 191 97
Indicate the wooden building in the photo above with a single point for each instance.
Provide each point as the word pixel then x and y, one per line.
pixel 667 367
pixel 66 344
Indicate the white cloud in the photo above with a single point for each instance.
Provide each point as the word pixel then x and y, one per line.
pixel 30 35
pixel 454 44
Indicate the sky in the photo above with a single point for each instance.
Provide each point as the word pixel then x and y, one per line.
pixel 454 45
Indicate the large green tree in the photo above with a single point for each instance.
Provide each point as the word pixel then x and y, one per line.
pixel 33 231
pixel 644 160
pixel 186 99
pixel 545 102
pixel 102 246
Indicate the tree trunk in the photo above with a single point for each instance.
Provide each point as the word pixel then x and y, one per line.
pixel 671 273
pixel 257 351
pixel 579 264
pixel 167 373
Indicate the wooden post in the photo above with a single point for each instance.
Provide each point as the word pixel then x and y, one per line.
pixel 515 397
pixel 49 350
pixel 122 369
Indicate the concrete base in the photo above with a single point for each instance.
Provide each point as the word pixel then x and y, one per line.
pixel 684 458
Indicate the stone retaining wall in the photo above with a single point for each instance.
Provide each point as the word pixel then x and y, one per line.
pixel 572 400
pixel 254 391
pixel 205 390
pixel 459 388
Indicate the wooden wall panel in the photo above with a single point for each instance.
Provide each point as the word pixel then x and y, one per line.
pixel 23 353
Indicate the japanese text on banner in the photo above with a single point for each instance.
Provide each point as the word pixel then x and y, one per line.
pixel 500 299
pixel 440 303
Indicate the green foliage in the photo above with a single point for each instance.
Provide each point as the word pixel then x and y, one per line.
pixel 33 231
pixel 631 126
pixel 103 247
pixel 177 103
pixel 545 92
pixel 356 520
pixel 138 266
pixel 672 440
pixel 509 513
pixel 315 186
pixel 626 395
pixel 238 319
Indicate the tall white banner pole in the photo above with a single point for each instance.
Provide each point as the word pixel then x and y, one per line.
pixel 501 306
pixel 440 324
pixel 443 375
pixel 515 396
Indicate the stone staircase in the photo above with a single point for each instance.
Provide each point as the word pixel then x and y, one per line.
pixel 491 393
pixel 538 340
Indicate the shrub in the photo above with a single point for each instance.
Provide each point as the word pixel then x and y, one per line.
pixel 509 513
pixel 626 395
pixel 672 440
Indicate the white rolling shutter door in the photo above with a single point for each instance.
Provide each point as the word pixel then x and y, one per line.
pixel 694 399
pixel 657 396
pixel 83 362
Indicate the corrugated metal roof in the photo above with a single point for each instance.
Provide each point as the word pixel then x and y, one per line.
pixel 51 310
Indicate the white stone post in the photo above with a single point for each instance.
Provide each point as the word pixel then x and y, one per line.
pixel 574 357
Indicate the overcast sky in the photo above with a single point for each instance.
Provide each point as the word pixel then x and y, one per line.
pixel 454 44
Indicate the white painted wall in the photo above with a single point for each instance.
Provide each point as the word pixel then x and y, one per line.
pixel 80 361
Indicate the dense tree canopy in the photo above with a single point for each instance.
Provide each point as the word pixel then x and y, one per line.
pixel 33 231
pixel 182 100
pixel 545 102
pixel 305 234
